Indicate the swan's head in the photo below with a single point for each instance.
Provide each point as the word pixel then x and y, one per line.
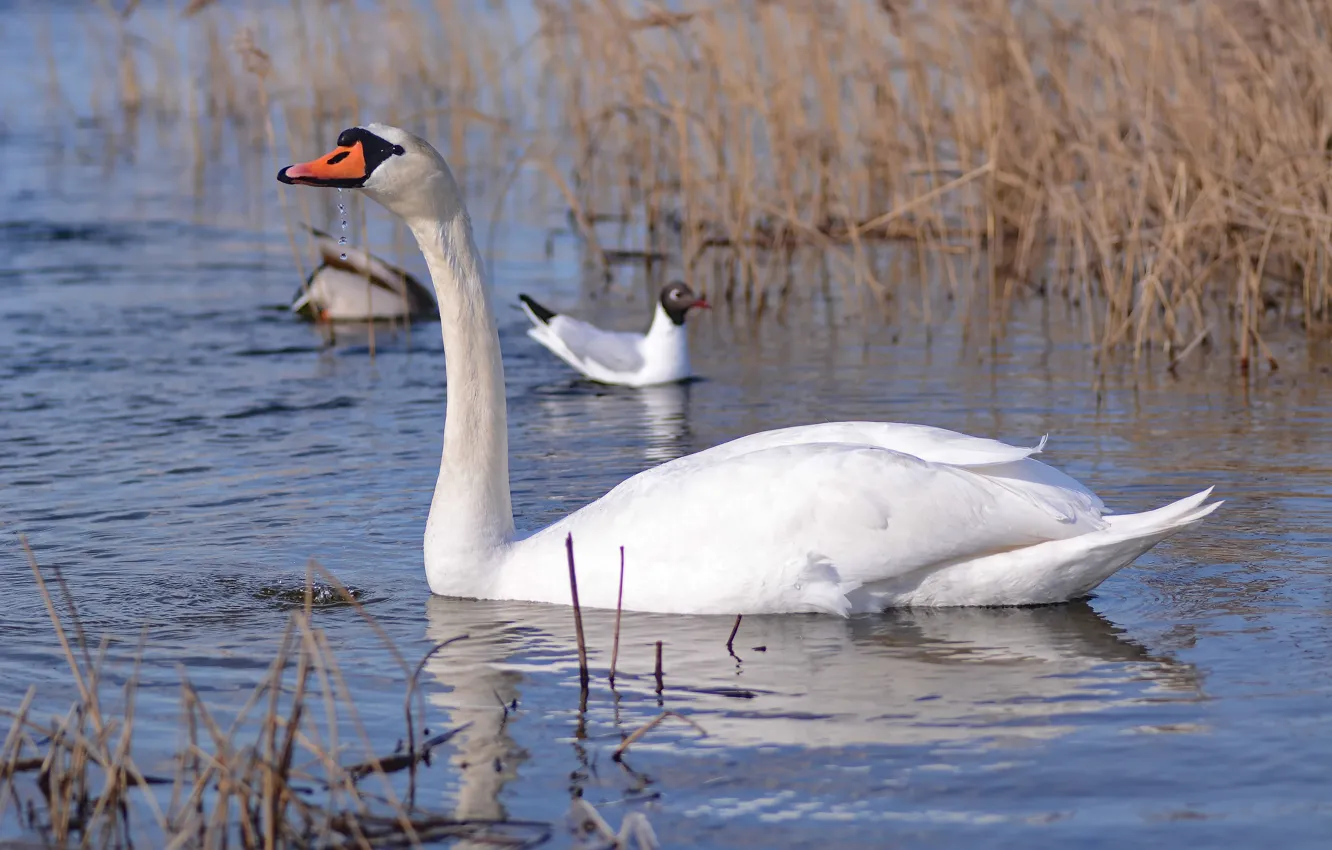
pixel 677 300
pixel 392 166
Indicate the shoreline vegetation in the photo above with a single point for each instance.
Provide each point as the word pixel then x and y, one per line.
pixel 1163 169
pixel 282 770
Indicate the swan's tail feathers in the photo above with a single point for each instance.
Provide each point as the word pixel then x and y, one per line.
pixel 1170 518
pixel 537 313
pixel 1126 538
pixel 1046 573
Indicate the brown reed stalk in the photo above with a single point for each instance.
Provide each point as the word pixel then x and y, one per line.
pixel 578 617
pixel 619 609
pixel 657 669
pixel 730 640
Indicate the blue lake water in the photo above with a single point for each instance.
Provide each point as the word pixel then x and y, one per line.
pixel 180 446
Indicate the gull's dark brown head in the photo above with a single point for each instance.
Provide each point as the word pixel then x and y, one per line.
pixel 677 300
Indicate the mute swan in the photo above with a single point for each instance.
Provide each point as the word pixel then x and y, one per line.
pixel 838 518
pixel 341 290
pixel 660 356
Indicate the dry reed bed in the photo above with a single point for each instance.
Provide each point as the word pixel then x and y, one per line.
pixel 1163 166
pixel 276 776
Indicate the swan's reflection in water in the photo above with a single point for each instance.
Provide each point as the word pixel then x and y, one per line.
pixel 975 678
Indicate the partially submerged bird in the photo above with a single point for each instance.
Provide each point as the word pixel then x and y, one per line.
pixel 359 288
pixel 838 518
pixel 660 356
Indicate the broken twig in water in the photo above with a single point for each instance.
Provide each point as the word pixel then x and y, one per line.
pixel 619 607
pixel 578 616
pixel 648 727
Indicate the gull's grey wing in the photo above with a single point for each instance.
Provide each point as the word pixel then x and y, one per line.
pixel 616 351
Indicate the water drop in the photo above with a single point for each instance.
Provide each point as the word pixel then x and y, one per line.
pixel 342 213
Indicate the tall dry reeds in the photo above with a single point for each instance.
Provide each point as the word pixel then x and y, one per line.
pixel 1165 166
pixel 1162 167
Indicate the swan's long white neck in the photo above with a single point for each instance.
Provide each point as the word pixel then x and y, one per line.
pixel 471 515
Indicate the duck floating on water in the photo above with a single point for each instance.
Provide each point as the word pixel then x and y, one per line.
pixel 660 356
pixel 834 518
pixel 340 290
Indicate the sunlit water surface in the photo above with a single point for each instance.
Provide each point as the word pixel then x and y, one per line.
pixel 181 447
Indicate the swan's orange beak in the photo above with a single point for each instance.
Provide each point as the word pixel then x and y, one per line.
pixel 342 167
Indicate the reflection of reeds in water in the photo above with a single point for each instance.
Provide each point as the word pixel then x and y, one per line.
pixel 1162 167
pixel 275 776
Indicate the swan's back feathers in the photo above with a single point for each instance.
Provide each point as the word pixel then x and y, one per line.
pixel 1056 492
pixel 937 445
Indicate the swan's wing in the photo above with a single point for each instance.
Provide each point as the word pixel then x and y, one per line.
pixel 1059 493
pixel 937 445
pixel 794 527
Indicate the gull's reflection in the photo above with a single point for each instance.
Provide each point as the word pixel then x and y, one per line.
pixel 978 676
pixel 665 421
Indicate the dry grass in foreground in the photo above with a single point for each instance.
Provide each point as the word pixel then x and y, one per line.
pixel 274 777
pixel 1162 166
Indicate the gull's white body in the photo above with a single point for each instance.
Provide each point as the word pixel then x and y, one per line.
pixel 660 356
pixel 835 518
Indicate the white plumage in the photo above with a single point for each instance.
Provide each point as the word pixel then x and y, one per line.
pixel 660 356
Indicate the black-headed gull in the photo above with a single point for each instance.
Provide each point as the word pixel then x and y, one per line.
pixel 660 356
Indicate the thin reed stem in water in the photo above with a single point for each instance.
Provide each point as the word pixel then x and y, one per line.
pixel 730 641
pixel 619 608
pixel 578 617
pixel 657 672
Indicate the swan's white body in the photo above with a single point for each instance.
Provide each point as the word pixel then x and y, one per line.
pixel 660 356
pixel 837 518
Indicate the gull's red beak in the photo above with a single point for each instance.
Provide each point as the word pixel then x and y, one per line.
pixel 703 304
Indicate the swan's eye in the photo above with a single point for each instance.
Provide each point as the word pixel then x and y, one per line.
pixel 399 150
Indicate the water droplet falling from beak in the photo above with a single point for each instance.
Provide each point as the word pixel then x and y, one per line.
pixel 342 214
